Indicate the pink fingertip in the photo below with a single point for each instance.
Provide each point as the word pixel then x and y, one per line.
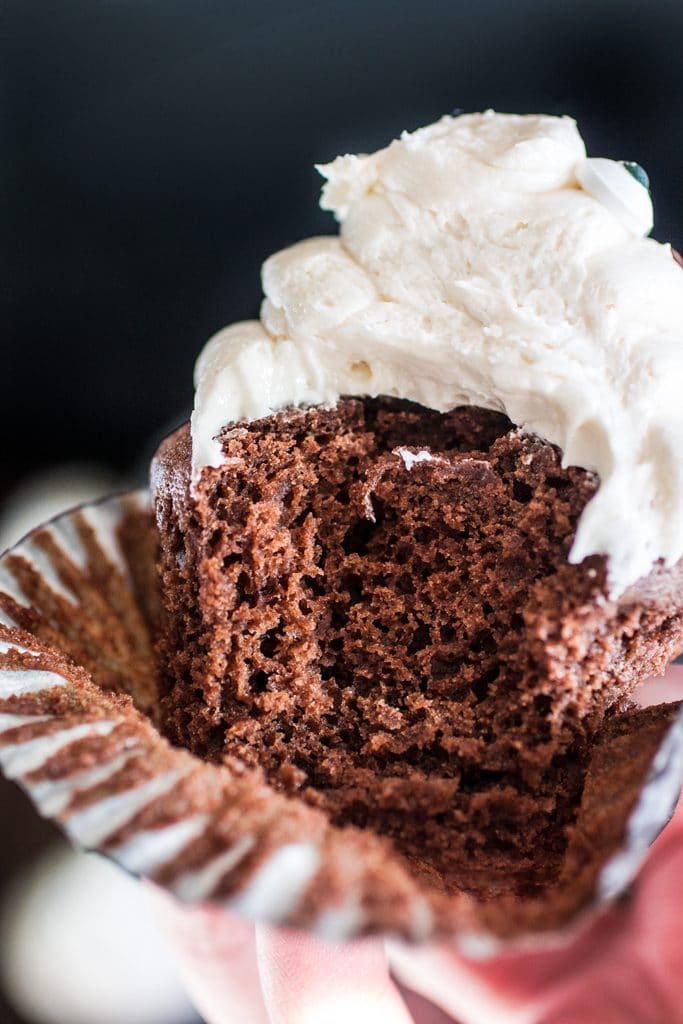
pixel 307 981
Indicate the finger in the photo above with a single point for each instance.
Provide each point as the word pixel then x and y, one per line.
pixel 625 966
pixel 448 983
pixel 663 689
pixel 422 1011
pixel 306 981
pixel 515 988
pixel 638 977
pixel 216 954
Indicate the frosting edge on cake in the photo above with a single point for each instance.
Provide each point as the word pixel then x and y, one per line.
pixel 484 260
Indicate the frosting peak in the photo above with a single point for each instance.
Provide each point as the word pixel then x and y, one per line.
pixel 484 260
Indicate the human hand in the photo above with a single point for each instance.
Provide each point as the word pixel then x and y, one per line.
pixel 626 967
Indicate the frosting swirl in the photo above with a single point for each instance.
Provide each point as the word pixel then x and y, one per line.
pixel 484 260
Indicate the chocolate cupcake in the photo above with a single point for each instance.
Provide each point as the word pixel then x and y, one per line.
pixel 373 605
pixel 80 701
pixel 418 547
pixel 419 621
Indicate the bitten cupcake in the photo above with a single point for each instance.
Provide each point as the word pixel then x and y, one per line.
pixel 422 539
pixel 368 666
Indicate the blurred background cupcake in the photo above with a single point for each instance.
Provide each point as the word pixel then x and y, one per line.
pixel 153 155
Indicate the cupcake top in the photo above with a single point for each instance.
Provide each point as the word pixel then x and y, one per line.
pixel 484 260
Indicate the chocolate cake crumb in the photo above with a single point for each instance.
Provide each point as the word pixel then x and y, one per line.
pixel 373 605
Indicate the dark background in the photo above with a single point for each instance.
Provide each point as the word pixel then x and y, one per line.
pixel 154 152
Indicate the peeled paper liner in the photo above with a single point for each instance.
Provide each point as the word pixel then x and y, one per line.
pixel 78 683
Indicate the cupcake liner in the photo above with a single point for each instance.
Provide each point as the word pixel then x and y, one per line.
pixel 78 710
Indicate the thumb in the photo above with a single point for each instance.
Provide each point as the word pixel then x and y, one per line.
pixel 306 981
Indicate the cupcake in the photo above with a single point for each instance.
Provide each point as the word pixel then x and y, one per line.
pixel 416 550
pixel 407 571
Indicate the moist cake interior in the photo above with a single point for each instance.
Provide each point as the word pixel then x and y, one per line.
pixel 372 604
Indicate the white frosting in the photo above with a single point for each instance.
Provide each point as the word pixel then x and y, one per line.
pixel 484 260
pixel 411 459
